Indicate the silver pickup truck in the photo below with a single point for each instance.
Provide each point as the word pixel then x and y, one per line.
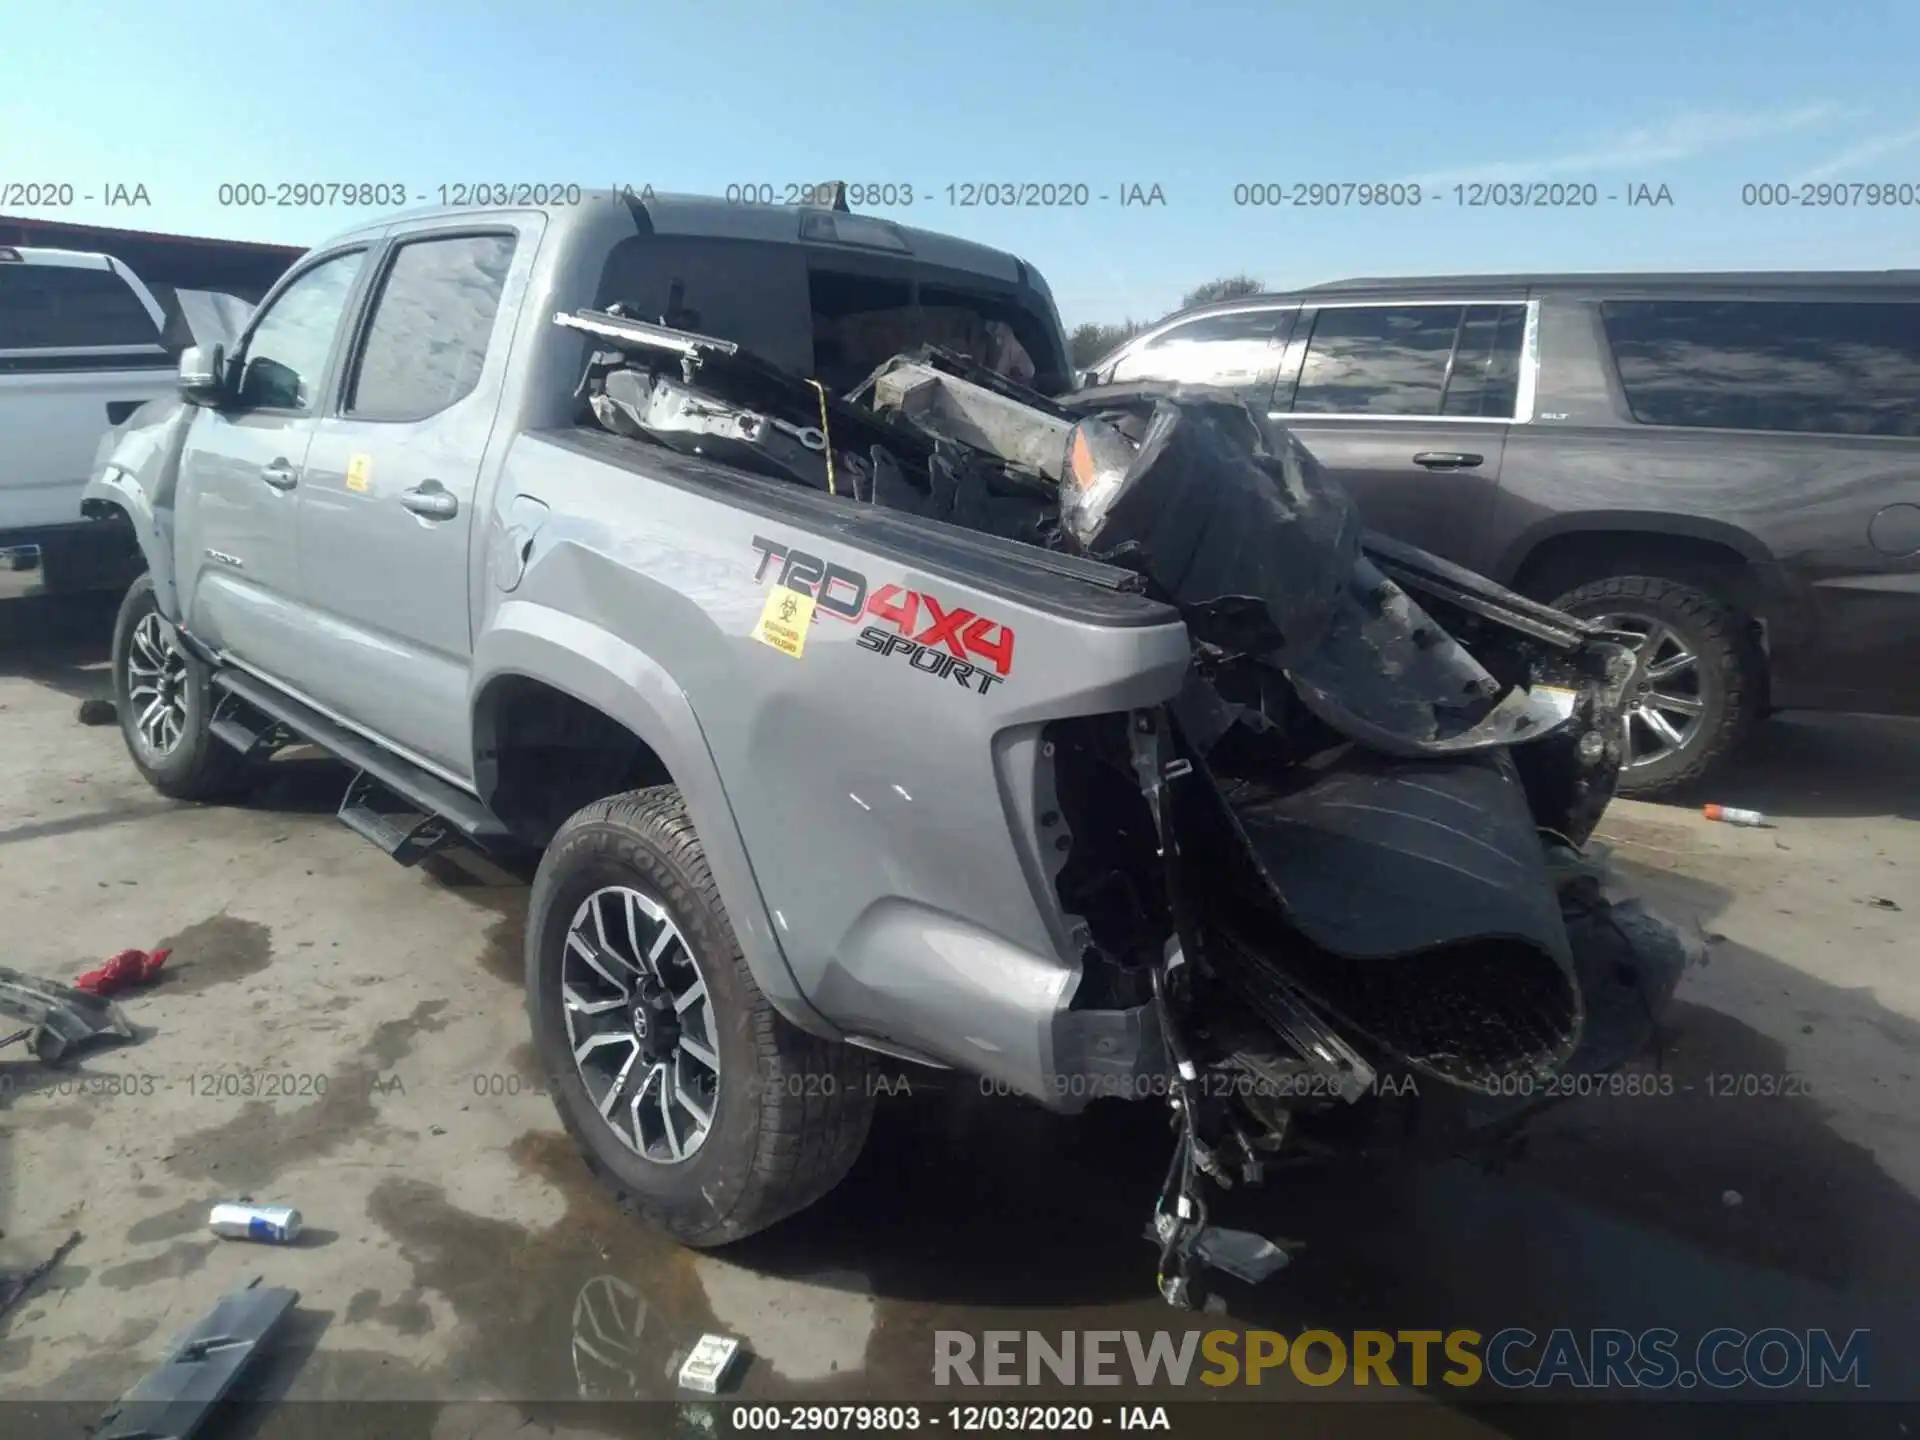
pixel 861 692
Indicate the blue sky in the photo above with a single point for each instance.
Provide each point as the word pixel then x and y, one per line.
pixel 1196 98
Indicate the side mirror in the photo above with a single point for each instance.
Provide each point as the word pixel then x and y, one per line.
pixel 203 374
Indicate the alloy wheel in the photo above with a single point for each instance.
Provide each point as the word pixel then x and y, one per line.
pixel 156 688
pixel 1666 700
pixel 640 1024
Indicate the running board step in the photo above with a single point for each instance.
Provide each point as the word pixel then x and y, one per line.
pixel 375 812
pixel 236 724
pixel 414 788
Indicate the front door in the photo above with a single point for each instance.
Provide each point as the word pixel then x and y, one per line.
pixel 387 508
pixel 1408 406
pixel 241 471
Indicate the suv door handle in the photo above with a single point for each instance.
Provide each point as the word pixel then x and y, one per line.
pixel 279 474
pixel 431 499
pixel 1447 460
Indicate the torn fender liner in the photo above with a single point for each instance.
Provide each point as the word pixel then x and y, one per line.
pixel 1433 925
pixel 174 1400
pixel 59 1017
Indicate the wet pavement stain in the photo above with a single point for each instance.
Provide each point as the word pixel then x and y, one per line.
pixel 409 1314
pixel 190 1217
pixel 107 1369
pixel 15 1352
pixel 503 954
pixel 361 1307
pixel 183 1257
pixel 265 1138
pixel 515 1290
pixel 215 951
pixel 1815 1204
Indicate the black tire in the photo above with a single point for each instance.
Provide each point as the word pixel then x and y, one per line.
pixel 199 766
pixel 1730 671
pixel 791 1111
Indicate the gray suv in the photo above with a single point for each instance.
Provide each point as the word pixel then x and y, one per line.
pixel 1727 465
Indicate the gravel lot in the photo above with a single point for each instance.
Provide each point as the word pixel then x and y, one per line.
pixel 458 1251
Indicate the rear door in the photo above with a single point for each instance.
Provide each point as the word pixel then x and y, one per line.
pixel 1237 349
pixel 387 506
pixel 1408 404
pixel 1797 419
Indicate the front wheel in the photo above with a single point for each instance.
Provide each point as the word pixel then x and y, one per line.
pixel 164 698
pixel 1698 677
pixel 690 1097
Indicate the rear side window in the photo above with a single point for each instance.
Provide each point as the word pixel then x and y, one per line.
pixel 1232 350
pixel 1484 381
pixel 1377 360
pixel 48 307
pixel 1839 367
pixel 427 341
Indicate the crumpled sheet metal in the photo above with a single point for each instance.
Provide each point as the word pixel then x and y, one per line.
pixel 1242 527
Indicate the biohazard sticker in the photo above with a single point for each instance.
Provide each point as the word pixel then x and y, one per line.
pixel 357 469
pixel 784 620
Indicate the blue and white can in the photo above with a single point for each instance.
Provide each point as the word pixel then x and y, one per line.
pixel 243 1220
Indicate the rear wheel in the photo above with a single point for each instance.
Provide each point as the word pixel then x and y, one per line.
pixel 165 703
pixel 1698 677
pixel 699 1105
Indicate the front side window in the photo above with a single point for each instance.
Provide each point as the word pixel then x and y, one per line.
pixel 1839 367
pixel 53 307
pixel 287 351
pixel 427 341
pixel 1232 350
pixel 1377 360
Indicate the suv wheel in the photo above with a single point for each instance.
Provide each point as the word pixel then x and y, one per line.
pixel 699 1105
pixel 165 705
pixel 1697 682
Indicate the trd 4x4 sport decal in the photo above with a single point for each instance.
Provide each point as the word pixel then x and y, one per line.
pixel 945 643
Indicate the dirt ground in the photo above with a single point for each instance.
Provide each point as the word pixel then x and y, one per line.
pixel 344 1035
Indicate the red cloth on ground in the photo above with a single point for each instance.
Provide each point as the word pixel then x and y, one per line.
pixel 129 967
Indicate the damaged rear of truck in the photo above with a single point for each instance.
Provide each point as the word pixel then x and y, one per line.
pixel 1328 884
pixel 865 693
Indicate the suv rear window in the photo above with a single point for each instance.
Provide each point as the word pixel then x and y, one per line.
pixel 1412 360
pixel 1838 367
pixel 54 307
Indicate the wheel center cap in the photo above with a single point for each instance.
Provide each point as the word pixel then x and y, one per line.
pixel 655 1025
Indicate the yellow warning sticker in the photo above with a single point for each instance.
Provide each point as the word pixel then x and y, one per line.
pixel 357 469
pixel 784 620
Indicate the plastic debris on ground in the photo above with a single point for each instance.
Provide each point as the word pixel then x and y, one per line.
pixel 706 1367
pixel 1728 815
pixel 128 969
pixel 58 1017
pixel 176 1398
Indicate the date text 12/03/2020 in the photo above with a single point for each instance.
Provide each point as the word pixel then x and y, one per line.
pixel 968 194
pixel 1481 195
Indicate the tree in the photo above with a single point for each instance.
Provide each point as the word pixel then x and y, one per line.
pixel 1091 342
pixel 1230 287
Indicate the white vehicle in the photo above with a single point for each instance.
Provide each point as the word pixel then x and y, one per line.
pixel 81 348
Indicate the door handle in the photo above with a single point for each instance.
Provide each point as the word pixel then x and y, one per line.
pixel 1447 460
pixel 279 474
pixel 431 499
